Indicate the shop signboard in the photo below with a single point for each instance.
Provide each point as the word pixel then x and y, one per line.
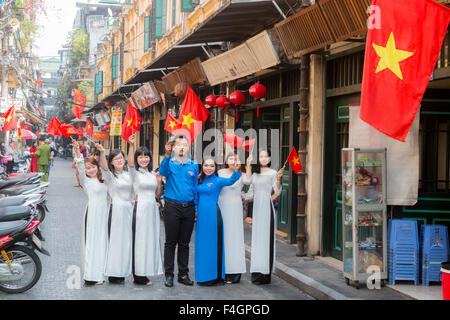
pixel 100 133
pixel 145 96
pixel 116 121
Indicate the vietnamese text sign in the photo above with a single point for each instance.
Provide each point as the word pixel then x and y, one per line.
pixel 116 122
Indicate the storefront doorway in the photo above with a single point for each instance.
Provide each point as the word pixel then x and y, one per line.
pixel 283 118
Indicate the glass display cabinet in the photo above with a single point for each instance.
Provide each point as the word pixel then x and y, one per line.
pixel 364 214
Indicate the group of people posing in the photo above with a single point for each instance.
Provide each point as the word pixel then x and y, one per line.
pixel 121 230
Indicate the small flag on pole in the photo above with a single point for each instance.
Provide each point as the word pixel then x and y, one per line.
pixel 294 161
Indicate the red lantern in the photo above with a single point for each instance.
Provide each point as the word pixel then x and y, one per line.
pixel 223 102
pixel 237 98
pixel 211 100
pixel 257 91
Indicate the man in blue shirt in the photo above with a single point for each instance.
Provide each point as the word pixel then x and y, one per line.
pixel 180 197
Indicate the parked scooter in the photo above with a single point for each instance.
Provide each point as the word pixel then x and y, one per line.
pixel 25 185
pixel 20 266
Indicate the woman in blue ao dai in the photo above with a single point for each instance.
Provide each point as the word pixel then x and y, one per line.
pixel 209 248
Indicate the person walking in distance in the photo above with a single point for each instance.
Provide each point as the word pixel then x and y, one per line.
pixel 180 197
pixel 43 152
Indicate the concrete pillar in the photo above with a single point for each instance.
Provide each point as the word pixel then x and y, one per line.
pixel 315 143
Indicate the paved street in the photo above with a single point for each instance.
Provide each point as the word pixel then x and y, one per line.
pixel 62 230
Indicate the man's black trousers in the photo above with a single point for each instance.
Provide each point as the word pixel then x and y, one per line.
pixel 178 223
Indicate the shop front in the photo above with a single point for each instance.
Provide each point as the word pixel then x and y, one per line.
pixel 343 91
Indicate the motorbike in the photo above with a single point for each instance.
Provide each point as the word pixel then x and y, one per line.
pixel 20 266
pixel 26 185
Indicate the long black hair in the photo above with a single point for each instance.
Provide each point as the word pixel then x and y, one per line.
pixel 256 168
pixel 112 155
pixel 202 175
pixel 143 151
pixel 229 155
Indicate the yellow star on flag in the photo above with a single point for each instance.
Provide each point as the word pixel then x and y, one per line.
pixel 296 161
pixel 129 122
pixel 172 124
pixel 8 119
pixel 188 120
pixel 391 57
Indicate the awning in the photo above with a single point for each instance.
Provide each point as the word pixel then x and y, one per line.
pixel 97 108
pixel 236 20
pixel 32 117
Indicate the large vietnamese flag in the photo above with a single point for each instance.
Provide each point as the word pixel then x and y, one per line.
pixel 193 115
pixel 400 59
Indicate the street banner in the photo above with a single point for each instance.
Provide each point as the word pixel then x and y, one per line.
pixel 400 57
pixel 116 122
pixel 100 133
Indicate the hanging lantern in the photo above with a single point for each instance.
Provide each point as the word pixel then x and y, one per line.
pixel 257 91
pixel 211 100
pixel 237 98
pixel 223 102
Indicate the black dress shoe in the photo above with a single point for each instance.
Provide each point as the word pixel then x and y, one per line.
pixel 185 280
pixel 169 281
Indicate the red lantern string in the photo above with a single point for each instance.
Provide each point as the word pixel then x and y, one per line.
pixel 237 113
pixel 257 111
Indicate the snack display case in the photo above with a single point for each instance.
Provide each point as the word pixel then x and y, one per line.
pixel 364 214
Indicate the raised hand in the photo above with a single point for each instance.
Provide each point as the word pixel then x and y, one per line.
pixel 75 144
pixel 168 148
pixel 280 173
pixel 99 147
pixel 132 139
pixel 249 160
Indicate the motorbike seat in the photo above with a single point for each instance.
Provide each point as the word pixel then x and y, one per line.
pixel 10 227
pixel 14 213
pixel 17 190
pixel 12 201
pixel 6 183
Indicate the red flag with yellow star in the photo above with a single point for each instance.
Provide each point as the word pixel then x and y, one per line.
pixel 131 122
pixel 171 124
pixel 10 119
pixel 400 58
pixel 193 115
pixel 294 161
pixel 54 127
pixel 67 130
pixel 78 99
pixel 89 128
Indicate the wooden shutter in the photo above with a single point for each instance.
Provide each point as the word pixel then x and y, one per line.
pixel 189 5
pixel 160 18
pixel 114 66
pixel 146 33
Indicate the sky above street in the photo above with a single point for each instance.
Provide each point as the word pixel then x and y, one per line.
pixel 54 27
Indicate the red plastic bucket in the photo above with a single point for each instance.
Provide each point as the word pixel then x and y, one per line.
pixel 445 272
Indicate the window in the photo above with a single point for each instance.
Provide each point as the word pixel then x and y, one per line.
pixel 160 18
pixel 147 33
pixel 115 59
pixel 189 5
pixel 99 83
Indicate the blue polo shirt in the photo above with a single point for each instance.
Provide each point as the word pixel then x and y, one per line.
pixel 181 179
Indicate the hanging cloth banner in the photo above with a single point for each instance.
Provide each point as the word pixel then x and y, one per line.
pixel 116 121
pixel 402 157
